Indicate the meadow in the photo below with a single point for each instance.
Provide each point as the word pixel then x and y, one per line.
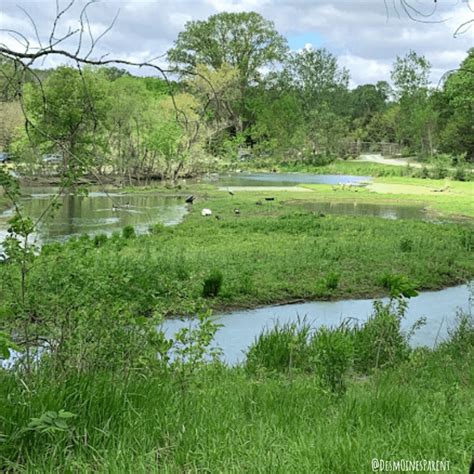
pixel 108 398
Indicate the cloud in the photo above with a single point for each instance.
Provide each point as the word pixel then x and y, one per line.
pixel 364 34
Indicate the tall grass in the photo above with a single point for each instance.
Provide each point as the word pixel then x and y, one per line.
pixel 228 420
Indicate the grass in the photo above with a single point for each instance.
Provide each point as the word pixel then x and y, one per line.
pixel 309 418
pixel 456 199
pixel 225 420
pixel 361 168
pixel 277 252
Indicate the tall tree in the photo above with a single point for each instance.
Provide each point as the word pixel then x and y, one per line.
pixel 410 74
pixel 66 115
pixel 457 110
pixel 322 87
pixel 316 74
pixel 243 41
pixel 417 120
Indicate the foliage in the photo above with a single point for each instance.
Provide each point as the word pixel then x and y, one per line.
pixel 212 284
pixel 51 421
pixel 379 342
pixel 65 113
pixel 282 348
pixel 245 41
pixel 332 353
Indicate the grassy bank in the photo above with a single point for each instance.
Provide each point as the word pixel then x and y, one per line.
pixel 278 251
pixel 231 420
pixel 440 197
pixel 328 403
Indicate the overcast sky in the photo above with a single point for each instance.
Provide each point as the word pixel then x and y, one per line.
pixel 366 35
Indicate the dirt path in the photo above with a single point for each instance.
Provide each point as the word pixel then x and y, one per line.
pixel 390 161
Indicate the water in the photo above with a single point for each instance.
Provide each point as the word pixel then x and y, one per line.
pixel 240 328
pixel 100 212
pixel 279 180
pixel 284 179
pixel 384 211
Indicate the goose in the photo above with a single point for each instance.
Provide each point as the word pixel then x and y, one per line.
pixel 206 212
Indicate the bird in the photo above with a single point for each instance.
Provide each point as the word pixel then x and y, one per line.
pixel 237 211
pixel 206 212
pixel 269 199
pixel 230 192
pixel 190 199
pixel 114 208
pixel 258 203
pixel 218 218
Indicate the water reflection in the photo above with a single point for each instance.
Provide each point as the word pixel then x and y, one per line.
pixel 99 212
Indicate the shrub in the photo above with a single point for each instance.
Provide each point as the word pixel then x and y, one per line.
pixel 100 240
pixel 461 337
pixel 380 342
pixel 406 244
pixel 460 174
pixel 128 232
pixel 398 285
pixel 157 228
pixel 281 349
pixel 212 284
pixel 331 356
pixel 332 281
pixel 439 171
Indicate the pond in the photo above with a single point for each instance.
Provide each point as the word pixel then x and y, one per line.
pixel 100 212
pixel 284 179
pixel 384 211
pixel 240 328
pixel 241 182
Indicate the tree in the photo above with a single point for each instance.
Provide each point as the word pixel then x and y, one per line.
pixel 410 75
pixel 245 41
pixel 66 115
pixel 368 99
pixel 315 74
pixel 218 94
pixel 456 105
pixel 417 120
pixel 322 87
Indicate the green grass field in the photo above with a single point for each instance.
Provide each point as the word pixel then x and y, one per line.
pixel 96 299
pixel 224 420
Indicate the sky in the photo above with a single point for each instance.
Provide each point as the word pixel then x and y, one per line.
pixel 365 35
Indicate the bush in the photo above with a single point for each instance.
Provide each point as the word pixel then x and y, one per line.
pixel 100 240
pixel 398 285
pixel 439 171
pixel 128 232
pixel 461 337
pixel 212 284
pixel 380 342
pixel 331 354
pixel 281 349
pixel 157 228
pixel 332 281
pixel 406 244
